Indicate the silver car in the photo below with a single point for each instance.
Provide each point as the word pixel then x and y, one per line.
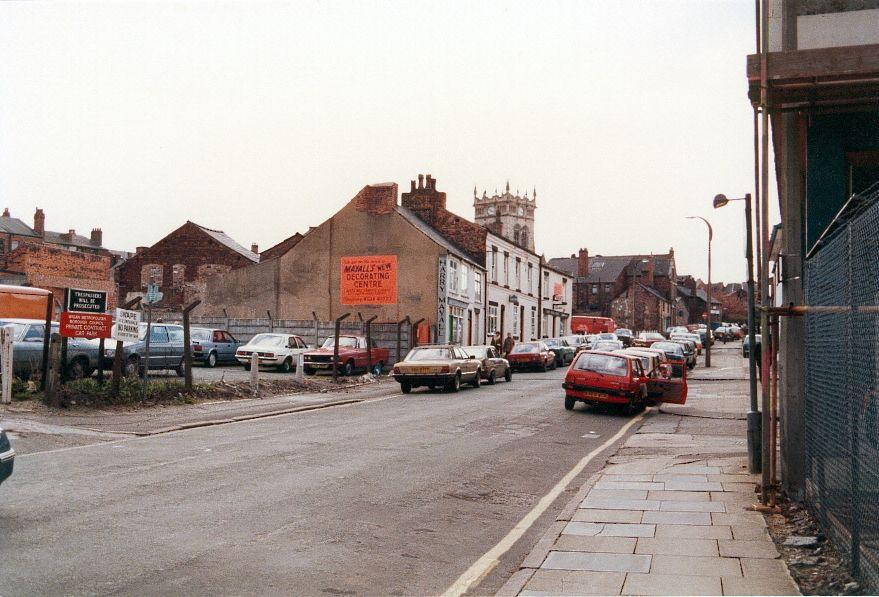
pixel 166 350
pixel 494 366
pixel 27 349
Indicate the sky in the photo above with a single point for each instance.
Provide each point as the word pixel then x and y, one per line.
pixel 264 118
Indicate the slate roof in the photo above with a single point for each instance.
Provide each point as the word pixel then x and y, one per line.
pixel 564 264
pixel 435 236
pixel 229 242
pixel 57 238
pixel 15 226
pixel 654 292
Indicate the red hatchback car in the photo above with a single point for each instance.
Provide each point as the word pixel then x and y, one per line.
pixel 613 378
pixel 532 355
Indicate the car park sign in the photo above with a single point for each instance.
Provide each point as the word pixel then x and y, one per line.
pixel 85 316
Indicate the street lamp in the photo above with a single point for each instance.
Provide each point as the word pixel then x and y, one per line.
pixel 754 421
pixel 708 335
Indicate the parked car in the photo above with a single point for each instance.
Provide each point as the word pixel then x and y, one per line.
pixel 608 345
pixel 625 336
pixel 746 344
pixel 273 350
pixel 166 350
pixel 650 361
pixel 697 341
pixel 493 366
pixel 618 379
pixel 646 339
pixel 437 365
pixel 353 356
pixel 689 351
pixel 531 355
pixel 564 352
pixel 678 329
pixel 674 352
pixel 7 456
pixel 213 346
pixel 27 349
pixel 579 342
pixel 591 339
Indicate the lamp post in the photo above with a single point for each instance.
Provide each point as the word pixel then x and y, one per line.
pixel 708 335
pixel 754 421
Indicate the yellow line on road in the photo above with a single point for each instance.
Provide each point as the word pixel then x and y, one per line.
pixel 484 565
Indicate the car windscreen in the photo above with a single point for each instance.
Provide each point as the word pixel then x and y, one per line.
pixel 475 351
pixel 575 340
pixel 269 340
pixel 525 348
pixel 429 354
pixel 201 334
pixel 669 347
pixel 623 332
pixel 607 336
pixel 602 363
pixel 18 329
pixel 552 342
pixel 344 342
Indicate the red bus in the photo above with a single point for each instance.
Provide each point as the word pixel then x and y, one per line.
pixel 587 324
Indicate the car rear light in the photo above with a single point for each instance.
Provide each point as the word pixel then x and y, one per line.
pixel 445 369
pixel 396 370
pixel 269 355
pixel 197 347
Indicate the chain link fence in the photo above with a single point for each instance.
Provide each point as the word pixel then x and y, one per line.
pixel 842 402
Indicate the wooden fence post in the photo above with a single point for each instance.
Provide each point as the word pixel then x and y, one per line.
pixel 53 375
pixel 254 373
pixel 368 325
pixel 336 346
pixel 6 364
pixel 187 347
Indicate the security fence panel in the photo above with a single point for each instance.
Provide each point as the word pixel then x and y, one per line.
pixel 841 403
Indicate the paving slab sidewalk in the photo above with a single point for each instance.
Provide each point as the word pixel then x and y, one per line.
pixel 667 515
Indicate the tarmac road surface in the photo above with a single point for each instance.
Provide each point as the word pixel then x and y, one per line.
pixel 395 495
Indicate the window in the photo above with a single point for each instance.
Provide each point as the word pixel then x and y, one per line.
pixel 523 237
pixel 533 322
pixel 530 279
pixel 151 273
pixel 456 324
pixel 158 334
pixel 494 264
pixel 518 274
pixel 491 326
pixel 595 289
pixel 35 332
pixel 175 334
pixel 546 285
pixel 465 275
pixel 506 269
pixel 453 276
pixel 477 286
pixel 607 287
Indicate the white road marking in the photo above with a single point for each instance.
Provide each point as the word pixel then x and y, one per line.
pixel 484 565
pixel 591 435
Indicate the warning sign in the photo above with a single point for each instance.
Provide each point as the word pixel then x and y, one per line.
pixel 85 325
pixel 369 280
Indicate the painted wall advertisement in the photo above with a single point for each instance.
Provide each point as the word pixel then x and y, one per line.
pixel 441 300
pixel 368 280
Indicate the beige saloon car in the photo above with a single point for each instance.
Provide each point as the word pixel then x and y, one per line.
pixel 437 365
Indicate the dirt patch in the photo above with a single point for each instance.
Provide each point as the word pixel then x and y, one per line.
pixel 817 569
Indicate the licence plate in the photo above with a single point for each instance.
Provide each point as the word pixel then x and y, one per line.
pixel 421 370
pixel 321 365
pixel 595 395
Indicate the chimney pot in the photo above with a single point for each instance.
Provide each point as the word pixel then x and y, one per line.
pixel 412 186
pixel 421 181
pixel 583 262
pixel 40 222
pixel 97 237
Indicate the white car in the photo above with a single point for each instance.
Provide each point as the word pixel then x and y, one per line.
pixel 273 350
pixel 694 337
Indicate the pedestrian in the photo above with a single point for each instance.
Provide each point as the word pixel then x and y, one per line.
pixel 496 341
pixel 509 343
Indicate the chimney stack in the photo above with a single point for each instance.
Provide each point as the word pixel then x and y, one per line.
pixel 6 213
pixel 421 181
pixel 97 238
pixel 583 263
pixel 40 222
pixel 254 248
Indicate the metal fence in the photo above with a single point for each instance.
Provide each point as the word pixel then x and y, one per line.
pixel 314 332
pixel 841 402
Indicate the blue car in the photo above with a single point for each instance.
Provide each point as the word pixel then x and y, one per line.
pixel 212 346
pixel 7 456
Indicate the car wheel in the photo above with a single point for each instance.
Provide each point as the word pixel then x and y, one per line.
pixel 308 370
pixel 212 360
pixel 508 374
pixel 492 378
pixel 405 387
pixel 569 403
pixel 180 370
pixel 554 365
pixel 477 379
pixel 348 367
pixel 77 369
pixel 286 366
pixel 455 384
pixel 247 366
pixel 431 386
pixel 544 367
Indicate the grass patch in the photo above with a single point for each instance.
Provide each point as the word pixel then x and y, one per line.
pixel 88 392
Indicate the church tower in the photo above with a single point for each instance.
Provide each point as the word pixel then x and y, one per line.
pixel 508 215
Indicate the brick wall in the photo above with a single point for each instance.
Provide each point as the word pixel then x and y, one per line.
pixel 429 204
pixel 197 257
pixel 56 269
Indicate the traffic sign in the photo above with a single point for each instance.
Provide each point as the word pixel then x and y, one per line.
pixel 153 295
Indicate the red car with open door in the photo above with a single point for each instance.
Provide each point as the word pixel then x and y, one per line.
pixel 612 378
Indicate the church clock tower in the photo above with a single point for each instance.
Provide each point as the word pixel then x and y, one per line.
pixel 508 215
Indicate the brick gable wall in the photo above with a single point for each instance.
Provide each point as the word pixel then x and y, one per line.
pixel 56 269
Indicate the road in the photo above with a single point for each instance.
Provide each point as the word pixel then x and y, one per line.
pixel 395 495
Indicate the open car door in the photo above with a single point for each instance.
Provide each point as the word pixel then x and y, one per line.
pixel 668 389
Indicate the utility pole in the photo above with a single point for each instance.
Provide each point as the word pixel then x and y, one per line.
pixel 708 335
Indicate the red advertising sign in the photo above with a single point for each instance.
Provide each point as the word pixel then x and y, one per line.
pixel 368 280
pixel 85 325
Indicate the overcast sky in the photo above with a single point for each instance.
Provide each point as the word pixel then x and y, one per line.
pixel 264 118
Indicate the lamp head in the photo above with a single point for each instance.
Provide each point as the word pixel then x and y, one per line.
pixel 720 200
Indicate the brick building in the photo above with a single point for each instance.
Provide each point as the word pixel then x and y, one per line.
pixel 604 285
pixel 181 264
pixel 694 295
pixel 34 256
